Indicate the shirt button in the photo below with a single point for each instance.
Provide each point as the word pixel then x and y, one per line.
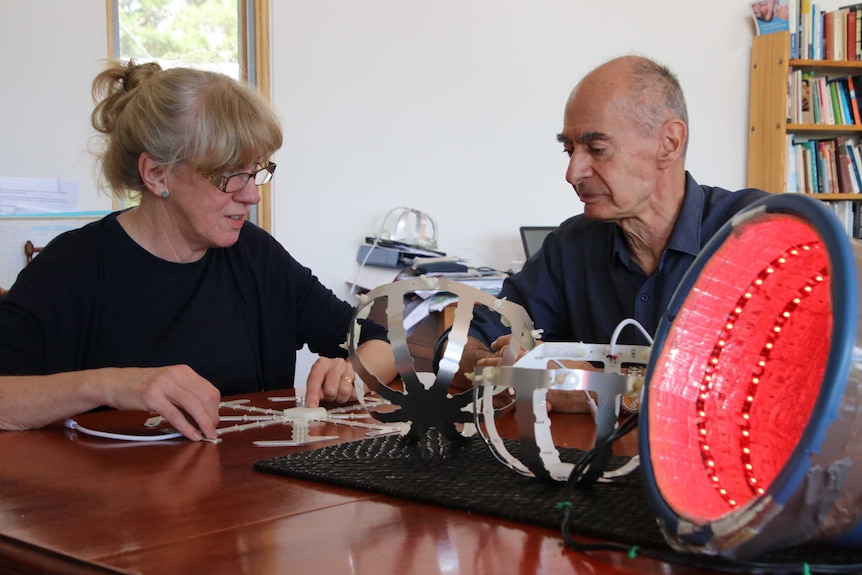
pixel 644 297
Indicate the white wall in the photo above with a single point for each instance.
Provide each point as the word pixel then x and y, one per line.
pixel 452 107
pixel 50 51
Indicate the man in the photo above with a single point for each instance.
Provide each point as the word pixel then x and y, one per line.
pixel 625 129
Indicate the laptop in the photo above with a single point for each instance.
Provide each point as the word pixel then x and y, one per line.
pixel 532 238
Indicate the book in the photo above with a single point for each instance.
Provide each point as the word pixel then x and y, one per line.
pixel 854 103
pixel 810 174
pixel 839 36
pixel 855 181
pixel 856 156
pixel 825 101
pixel 792 180
pixel 805 29
pixel 816 103
pixel 770 16
pixel 793 23
pixel 854 37
pixel 827 166
pixel 844 212
pixel 837 110
pixel 801 169
pixel 806 115
pixel 814 163
pixel 842 164
pixel 832 177
pixel 844 101
pixel 833 26
pixel 858 31
pixel 812 181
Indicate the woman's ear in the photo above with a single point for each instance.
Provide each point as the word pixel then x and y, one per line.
pixel 152 174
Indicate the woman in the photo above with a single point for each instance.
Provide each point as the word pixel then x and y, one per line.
pixel 168 305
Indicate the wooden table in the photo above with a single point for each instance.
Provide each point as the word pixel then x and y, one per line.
pixel 72 503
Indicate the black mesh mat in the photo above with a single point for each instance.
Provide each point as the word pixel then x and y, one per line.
pixel 471 479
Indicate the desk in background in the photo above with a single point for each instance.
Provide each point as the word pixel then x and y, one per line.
pixel 72 503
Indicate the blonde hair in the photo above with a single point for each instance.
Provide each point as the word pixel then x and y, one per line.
pixel 180 116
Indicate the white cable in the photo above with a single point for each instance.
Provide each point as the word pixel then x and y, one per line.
pixel 74 425
pixel 620 327
pixel 380 231
pixel 362 265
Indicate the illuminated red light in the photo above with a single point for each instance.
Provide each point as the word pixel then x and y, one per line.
pixel 745 371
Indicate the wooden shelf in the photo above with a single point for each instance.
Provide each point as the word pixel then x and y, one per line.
pixel 825 129
pixel 841 66
pixel 768 126
pixel 836 197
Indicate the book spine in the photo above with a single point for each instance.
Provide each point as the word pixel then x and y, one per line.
pixel 810 181
pixel 856 156
pixel 814 163
pixel 854 103
pixel 858 32
pixel 816 32
pixel 791 181
pixel 817 102
pixel 832 167
pixel 801 170
pixel 844 100
pixel 842 166
pixel 855 188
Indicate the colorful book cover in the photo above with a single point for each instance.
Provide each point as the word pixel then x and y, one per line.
pixel 770 16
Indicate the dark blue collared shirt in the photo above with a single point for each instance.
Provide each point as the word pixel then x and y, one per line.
pixel 583 282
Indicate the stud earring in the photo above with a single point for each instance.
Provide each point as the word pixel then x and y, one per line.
pixel 165 193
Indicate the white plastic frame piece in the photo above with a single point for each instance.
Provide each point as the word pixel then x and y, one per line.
pixel 531 379
pixel 298 418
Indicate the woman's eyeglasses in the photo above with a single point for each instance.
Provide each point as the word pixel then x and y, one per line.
pixel 236 182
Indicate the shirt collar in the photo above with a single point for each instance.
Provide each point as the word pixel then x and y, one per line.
pixel 686 233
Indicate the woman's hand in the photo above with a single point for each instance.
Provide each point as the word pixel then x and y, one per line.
pixel 187 401
pixel 330 379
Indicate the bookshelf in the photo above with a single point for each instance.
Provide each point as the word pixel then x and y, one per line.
pixel 768 125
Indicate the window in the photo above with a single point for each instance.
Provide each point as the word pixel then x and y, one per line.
pixel 230 36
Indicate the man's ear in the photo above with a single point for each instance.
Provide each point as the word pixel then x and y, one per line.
pixel 672 138
pixel 152 174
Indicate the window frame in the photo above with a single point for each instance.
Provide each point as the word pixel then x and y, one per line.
pixel 254 43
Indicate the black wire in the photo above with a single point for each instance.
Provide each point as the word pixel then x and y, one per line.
pixel 700 561
pixel 687 559
pixel 629 425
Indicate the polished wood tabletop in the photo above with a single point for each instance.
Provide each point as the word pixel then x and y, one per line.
pixel 73 503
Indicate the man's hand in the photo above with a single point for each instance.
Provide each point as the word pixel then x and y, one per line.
pixel 570 400
pixel 476 354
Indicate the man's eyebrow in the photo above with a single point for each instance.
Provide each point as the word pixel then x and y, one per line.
pixel 590 136
pixel 562 138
